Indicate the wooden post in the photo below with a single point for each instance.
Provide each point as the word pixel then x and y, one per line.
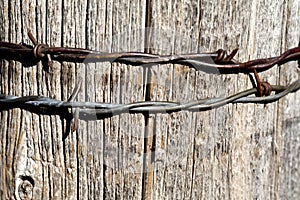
pixel 234 152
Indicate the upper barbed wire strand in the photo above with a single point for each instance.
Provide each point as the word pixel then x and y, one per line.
pixel 212 62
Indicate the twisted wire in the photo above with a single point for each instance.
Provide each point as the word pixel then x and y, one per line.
pixel 212 62
pixel 88 110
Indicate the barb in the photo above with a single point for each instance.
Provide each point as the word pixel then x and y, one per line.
pixel 213 62
pixel 88 110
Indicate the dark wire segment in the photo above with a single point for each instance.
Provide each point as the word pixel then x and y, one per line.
pixel 88 110
pixel 214 62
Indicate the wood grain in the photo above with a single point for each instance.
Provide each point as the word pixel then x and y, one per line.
pixel 233 152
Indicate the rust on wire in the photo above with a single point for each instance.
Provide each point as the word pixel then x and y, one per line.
pixel 258 84
pixel 213 62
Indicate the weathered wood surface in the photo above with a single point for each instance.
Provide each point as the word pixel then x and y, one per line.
pixel 233 152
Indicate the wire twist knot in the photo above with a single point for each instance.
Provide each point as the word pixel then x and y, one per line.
pixel 37 51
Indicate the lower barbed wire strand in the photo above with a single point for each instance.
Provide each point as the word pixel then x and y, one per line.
pixel 294 87
pixel 108 109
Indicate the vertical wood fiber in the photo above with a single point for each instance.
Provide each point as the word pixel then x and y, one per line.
pixel 233 152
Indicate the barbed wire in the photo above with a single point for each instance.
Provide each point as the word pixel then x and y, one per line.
pixel 212 62
pixel 88 110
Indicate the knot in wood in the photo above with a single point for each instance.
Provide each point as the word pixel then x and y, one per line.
pixel 25 189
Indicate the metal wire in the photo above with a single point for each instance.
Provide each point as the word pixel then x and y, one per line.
pixel 88 110
pixel 213 62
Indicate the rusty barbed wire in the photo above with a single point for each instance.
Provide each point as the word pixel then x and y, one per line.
pixel 212 62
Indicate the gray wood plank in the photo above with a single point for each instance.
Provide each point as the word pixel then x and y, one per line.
pixel 233 152
pixel 287 143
